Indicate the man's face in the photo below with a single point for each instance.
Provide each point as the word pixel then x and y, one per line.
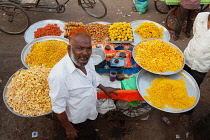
pixel 80 50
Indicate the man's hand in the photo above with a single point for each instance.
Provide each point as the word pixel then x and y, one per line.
pixel 108 90
pixel 71 133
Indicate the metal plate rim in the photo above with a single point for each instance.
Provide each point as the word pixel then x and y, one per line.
pixel 142 72
pixel 48 21
pixel 8 107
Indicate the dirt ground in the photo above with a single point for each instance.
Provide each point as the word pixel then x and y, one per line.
pixel 112 125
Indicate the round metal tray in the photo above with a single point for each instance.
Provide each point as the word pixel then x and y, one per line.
pixel 137 38
pixel 145 78
pixel 5 99
pixel 27 48
pixel 29 33
pixel 163 73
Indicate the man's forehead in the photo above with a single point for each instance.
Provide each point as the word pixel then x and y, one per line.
pixel 81 39
pixel 81 35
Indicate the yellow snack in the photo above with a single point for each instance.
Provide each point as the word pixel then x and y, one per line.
pixel 121 32
pixel 28 92
pixel 148 30
pixel 46 53
pixel 165 92
pixel 158 56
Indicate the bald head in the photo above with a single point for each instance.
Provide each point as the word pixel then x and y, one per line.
pixel 78 31
pixel 80 37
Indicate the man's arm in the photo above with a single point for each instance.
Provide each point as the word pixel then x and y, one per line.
pixel 71 132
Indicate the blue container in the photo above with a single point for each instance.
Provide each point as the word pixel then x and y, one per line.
pixel 141 0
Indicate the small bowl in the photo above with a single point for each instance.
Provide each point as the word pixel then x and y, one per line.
pixel 98 55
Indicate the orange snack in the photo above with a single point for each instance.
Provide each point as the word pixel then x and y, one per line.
pixel 48 30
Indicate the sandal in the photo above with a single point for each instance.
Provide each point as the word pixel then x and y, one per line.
pixel 174 37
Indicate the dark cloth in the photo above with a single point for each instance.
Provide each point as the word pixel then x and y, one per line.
pixel 202 129
pixel 190 4
pixel 182 15
pixel 199 77
pixel 86 130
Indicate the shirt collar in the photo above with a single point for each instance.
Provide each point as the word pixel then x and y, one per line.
pixel 203 16
pixel 70 65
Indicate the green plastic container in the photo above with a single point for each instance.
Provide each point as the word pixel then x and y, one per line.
pixel 176 2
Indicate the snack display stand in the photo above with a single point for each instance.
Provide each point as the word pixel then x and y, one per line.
pixel 123 61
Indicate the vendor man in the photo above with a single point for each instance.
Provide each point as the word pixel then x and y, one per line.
pixel 73 82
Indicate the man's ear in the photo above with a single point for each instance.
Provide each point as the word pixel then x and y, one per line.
pixel 69 47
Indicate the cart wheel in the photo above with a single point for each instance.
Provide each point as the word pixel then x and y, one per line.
pixel 95 8
pixel 204 8
pixel 14 19
pixel 171 19
pixel 161 7
pixel 60 8
pixel 141 112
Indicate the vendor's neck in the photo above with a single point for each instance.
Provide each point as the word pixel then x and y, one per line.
pixel 82 68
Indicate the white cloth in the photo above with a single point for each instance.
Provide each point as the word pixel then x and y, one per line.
pixel 72 91
pixel 104 105
pixel 197 53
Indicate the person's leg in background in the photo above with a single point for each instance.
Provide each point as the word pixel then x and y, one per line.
pixel 86 130
pixel 182 14
pixel 190 20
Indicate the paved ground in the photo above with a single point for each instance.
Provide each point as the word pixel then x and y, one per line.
pixel 14 127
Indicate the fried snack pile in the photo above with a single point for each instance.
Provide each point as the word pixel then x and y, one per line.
pixel 48 30
pixel 98 32
pixel 121 32
pixel 28 92
pixel 46 53
pixel 165 92
pixel 148 30
pixel 158 56
pixel 71 26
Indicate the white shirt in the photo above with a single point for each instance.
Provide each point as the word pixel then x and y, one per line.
pixel 197 53
pixel 72 91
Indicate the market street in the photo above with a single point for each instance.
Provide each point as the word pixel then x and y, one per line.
pixel 153 128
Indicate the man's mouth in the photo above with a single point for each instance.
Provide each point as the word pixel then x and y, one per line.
pixel 84 58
